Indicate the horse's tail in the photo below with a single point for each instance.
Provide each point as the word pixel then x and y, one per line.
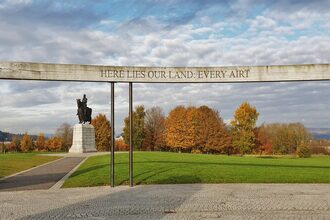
pixel 90 114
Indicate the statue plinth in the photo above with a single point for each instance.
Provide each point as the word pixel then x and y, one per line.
pixel 83 139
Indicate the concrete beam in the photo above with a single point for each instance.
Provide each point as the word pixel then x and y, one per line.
pixel 94 73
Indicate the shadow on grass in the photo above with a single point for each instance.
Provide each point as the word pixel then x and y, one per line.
pixel 151 173
pixel 89 169
pixel 158 170
pixel 232 164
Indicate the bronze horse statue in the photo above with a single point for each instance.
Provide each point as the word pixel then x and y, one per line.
pixel 84 113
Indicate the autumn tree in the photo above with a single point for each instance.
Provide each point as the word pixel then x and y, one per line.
pixel 304 151
pixel 286 138
pixel 211 132
pixel 3 148
pixel 54 144
pixel 15 144
pixel 65 131
pixel 300 136
pixel 41 142
pixel 181 128
pixel 154 126
pixel 242 127
pixel 138 127
pixel 102 132
pixel 26 143
pixel 120 145
pixel 263 140
pixel 320 146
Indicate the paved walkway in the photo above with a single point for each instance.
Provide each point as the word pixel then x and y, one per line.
pixel 187 201
pixel 43 177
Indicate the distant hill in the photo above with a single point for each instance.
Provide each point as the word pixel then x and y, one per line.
pixel 6 136
pixel 320 133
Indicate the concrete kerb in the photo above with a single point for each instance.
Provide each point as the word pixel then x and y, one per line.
pixel 91 154
pixel 60 183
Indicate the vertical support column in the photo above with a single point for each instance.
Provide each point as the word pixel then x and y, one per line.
pixel 112 134
pixel 131 182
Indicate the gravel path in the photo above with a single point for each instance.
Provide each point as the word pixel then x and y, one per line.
pixel 42 177
pixel 187 201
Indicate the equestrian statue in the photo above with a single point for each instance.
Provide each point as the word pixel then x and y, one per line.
pixel 84 113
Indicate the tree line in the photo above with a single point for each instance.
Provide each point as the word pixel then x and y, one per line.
pixel 202 130
pixel 188 129
pixel 61 141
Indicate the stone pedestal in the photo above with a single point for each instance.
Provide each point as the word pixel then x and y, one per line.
pixel 83 139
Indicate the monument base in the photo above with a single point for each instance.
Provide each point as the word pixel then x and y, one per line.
pixel 83 139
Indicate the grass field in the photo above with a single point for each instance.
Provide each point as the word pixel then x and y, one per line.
pixel 165 168
pixel 15 162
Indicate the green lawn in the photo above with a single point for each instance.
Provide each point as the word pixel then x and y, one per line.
pixel 164 168
pixel 15 162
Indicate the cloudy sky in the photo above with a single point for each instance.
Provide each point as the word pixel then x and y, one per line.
pixel 163 33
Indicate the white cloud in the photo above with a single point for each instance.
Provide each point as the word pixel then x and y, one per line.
pixel 14 3
pixel 268 39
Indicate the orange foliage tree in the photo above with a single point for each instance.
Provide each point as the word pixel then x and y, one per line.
pixel 200 129
pixel 211 132
pixel 180 128
pixel 26 143
pixel 263 140
pixel 55 144
pixel 41 142
pixel 102 132
pixel 121 145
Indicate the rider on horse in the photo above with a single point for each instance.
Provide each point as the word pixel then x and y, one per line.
pixel 84 113
pixel 84 105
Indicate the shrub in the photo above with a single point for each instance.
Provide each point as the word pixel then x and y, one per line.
pixel 120 145
pixel 319 150
pixel 3 148
pixel 304 151
pixel 196 151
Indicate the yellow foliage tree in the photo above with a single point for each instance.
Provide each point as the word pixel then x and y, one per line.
pixel 243 125
pixel 26 143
